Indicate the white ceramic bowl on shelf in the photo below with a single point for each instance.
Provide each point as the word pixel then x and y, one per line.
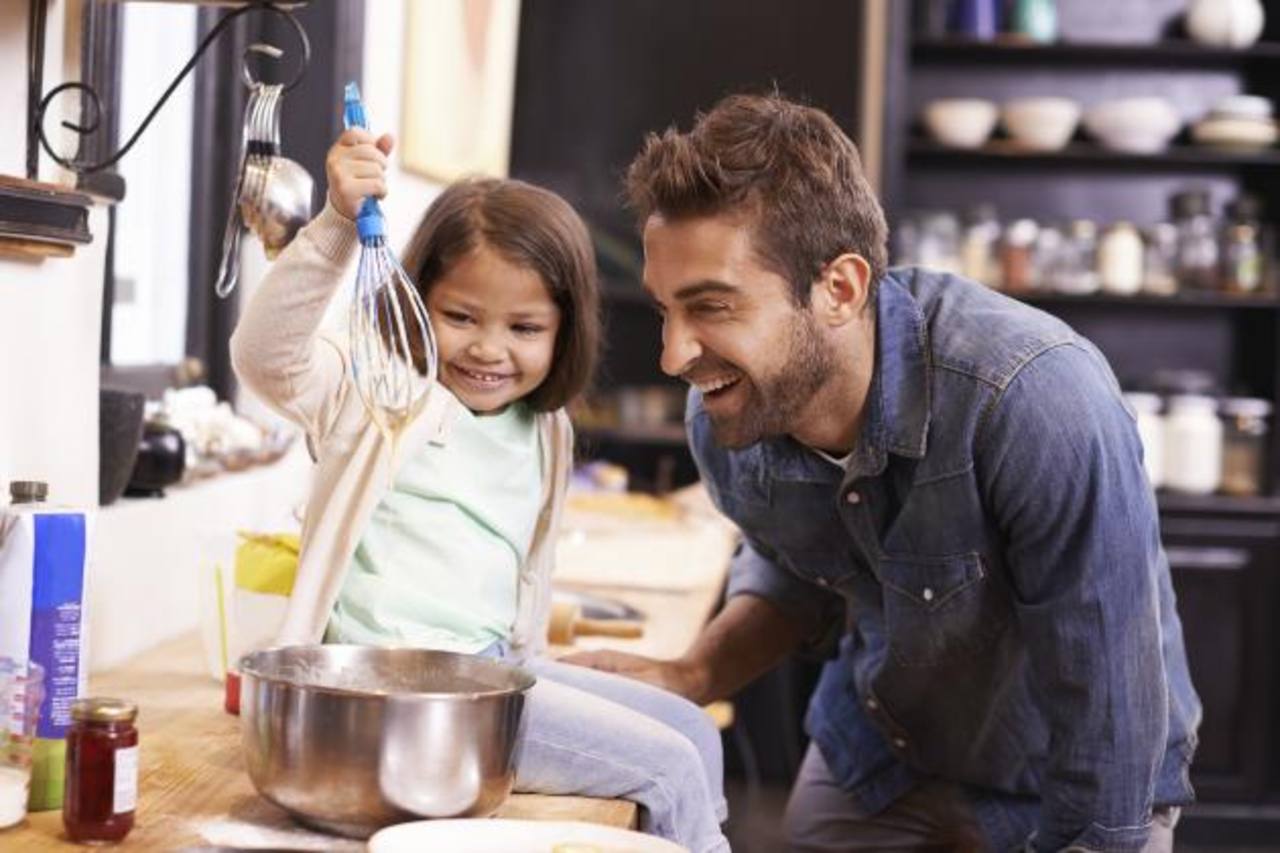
pixel 1240 133
pixel 960 122
pixel 1141 125
pixel 1041 123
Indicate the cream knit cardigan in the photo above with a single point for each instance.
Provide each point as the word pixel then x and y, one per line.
pixel 279 352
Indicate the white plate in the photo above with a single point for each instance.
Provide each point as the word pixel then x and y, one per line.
pixel 499 835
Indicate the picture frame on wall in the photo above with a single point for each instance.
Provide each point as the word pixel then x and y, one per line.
pixel 460 73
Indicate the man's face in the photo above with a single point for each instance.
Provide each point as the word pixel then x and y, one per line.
pixel 731 328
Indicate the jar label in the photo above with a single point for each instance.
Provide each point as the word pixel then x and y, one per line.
pixel 126 793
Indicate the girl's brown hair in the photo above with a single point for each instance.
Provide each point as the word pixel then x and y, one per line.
pixel 529 227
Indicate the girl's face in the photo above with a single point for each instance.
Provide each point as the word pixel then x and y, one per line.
pixel 495 326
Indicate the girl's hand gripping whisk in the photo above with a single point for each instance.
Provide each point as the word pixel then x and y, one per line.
pixel 393 348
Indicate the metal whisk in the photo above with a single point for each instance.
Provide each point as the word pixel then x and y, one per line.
pixel 393 348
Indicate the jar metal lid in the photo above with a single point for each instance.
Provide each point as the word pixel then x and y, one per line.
pixel 1249 407
pixel 1142 402
pixel 26 491
pixel 1192 403
pixel 101 709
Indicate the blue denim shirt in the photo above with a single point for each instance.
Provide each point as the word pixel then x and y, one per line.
pixel 994 546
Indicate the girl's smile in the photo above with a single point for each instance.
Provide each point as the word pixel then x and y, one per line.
pixel 496 326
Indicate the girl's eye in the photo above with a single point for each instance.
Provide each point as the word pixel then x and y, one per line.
pixel 455 316
pixel 527 329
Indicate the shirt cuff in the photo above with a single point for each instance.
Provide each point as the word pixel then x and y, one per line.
pixel 751 573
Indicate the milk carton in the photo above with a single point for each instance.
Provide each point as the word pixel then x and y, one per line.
pixel 43 557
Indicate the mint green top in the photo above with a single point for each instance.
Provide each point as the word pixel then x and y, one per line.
pixel 438 564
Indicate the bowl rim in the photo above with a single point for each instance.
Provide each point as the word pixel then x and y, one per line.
pixel 248 665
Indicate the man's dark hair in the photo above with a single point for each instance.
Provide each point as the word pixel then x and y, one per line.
pixel 785 166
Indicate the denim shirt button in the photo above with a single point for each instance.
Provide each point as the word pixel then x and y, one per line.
pixel 927 593
pixel 853 497
pixel 872 704
pixel 899 743
pixel 821 581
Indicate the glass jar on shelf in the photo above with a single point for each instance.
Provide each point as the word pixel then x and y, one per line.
pixel 979 258
pixel 1120 259
pixel 1197 266
pixel 939 245
pixel 1244 444
pixel 1160 260
pixel 1018 256
pixel 1193 445
pixel 1241 250
pixel 1146 409
pixel 1076 270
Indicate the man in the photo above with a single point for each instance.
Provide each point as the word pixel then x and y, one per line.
pixel 947 475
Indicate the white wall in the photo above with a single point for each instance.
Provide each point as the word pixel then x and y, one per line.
pixel 50 312
pixel 408 194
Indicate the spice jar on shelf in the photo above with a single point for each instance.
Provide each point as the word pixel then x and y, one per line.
pixel 1244 444
pixel 1120 259
pixel 1193 445
pixel 979 259
pixel 1160 260
pixel 1018 256
pixel 1197 267
pixel 1076 269
pixel 1242 258
pixel 102 770
pixel 1151 432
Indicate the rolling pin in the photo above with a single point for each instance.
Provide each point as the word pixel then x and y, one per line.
pixel 567 623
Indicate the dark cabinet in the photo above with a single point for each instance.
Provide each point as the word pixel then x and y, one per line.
pixel 1224 551
pixel 1224 564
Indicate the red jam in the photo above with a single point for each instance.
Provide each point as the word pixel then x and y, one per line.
pixel 102 770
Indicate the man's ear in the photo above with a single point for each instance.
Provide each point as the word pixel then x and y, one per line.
pixel 842 290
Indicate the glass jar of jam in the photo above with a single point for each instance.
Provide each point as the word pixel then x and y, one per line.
pixel 102 770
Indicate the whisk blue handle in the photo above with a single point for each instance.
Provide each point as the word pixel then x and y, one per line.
pixel 370 224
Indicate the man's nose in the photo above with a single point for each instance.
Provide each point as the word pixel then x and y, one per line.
pixel 680 348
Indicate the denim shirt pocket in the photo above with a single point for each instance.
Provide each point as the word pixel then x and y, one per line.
pixel 938 610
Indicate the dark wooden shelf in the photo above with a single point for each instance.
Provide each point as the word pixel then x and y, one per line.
pixel 37 212
pixel 1194 300
pixel 1268 505
pixel 1003 153
pixel 1156 54
pixel 665 435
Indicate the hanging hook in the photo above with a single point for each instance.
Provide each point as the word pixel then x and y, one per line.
pixel 268 50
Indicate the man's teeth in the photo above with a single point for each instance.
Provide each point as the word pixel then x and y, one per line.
pixel 711 385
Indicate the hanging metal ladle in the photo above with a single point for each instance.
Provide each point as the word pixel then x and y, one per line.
pixel 273 193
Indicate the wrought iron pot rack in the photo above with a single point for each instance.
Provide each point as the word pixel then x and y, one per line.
pixel 36 133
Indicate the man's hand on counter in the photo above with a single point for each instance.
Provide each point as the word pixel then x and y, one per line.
pixel 674 675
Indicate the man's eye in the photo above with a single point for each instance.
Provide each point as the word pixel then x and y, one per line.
pixel 710 307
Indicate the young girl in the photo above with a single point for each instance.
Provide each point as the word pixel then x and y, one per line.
pixel 449 544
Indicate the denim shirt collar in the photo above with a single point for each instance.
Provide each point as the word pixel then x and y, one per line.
pixel 897 415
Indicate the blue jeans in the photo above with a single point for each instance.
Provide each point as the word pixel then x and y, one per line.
pixel 596 734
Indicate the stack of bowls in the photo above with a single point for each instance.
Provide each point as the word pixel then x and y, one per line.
pixel 1238 121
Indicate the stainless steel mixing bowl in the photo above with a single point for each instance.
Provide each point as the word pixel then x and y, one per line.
pixel 349 739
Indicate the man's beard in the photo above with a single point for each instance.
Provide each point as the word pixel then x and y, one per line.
pixel 775 402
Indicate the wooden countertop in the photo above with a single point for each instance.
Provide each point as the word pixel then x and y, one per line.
pixel 193 789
